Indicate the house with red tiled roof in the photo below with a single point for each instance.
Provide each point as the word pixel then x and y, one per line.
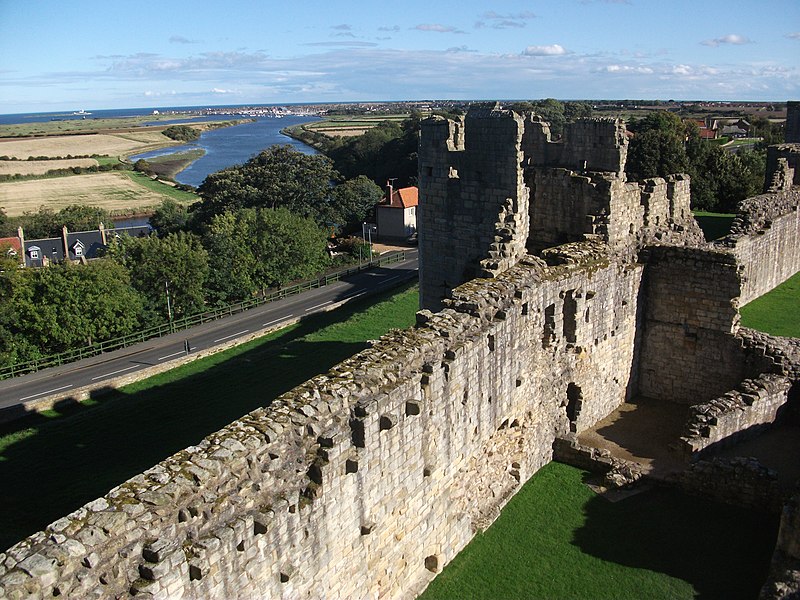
pixel 396 214
pixel 11 247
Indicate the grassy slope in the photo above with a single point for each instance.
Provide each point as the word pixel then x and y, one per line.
pixel 777 312
pixel 51 465
pixel 556 539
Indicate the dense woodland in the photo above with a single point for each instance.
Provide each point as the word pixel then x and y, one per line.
pixel 267 222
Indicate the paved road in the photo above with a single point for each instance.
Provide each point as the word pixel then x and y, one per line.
pixel 95 371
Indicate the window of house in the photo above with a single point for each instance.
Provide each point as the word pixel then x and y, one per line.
pixel 33 251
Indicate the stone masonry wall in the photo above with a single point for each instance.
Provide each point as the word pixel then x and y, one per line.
pixel 743 412
pixel 363 482
pixel 689 353
pixel 473 200
pixel 765 238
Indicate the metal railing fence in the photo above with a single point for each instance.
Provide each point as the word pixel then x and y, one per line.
pixel 191 320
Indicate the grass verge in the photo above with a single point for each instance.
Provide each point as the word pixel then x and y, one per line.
pixel 54 463
pixel 778 312
pixel 160 187
pixel 557 539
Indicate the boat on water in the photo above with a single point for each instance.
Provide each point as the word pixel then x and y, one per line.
pixel 81 113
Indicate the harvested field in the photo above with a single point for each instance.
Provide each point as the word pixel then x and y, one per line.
pixel 90 144
pixel 344 131
pixel 111 191
pixel 40 167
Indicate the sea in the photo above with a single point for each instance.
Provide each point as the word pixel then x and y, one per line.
pixel 223 147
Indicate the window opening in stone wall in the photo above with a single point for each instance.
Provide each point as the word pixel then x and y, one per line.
pixel 429 171
pixel 525 310
pixel 570 325
pixel 574 403
pixel 490 341
pixel 549 334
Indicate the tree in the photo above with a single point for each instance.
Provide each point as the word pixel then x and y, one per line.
pixel 46 223
pixel 352 201
pixel 169 272
pixel 656 153
pixel 277 177
pixel 65 306
pixel 182 133
pixel 254 249
pixel 169 217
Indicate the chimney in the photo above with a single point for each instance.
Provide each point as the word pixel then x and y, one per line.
pixel 64 237
pixel 390 187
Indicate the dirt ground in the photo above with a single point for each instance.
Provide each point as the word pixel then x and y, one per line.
pixel 643 430
pixel 40 167
pixel 111 191
pixel 82 145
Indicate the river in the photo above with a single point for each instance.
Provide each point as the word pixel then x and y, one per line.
pixel 233 145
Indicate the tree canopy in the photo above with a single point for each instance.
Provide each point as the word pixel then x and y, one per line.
pixel 174 267
pixel 277 177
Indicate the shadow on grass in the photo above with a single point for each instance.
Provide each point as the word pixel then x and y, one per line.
pixel 55 463
pixel 714 226
pixel 722 551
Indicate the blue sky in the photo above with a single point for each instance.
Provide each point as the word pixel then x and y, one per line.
pixel 94 55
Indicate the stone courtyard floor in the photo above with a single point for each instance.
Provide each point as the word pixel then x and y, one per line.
pixel 643 430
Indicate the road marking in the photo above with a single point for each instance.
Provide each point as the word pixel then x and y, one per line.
pixel 391 279
pixel 171 355
pixel 355 295
pixel 319 305
pixel 277 320
pixel 230 336
pixel 115 372
pixel 47 392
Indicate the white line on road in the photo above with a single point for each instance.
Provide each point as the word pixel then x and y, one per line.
pixel 115 372
pixel 391 279
pixel 356 295
pixel 47 392
pixel 319 305
pixel 230 336
pixel 171 355
pixel 277 320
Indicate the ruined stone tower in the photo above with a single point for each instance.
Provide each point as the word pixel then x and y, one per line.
pixel 495 185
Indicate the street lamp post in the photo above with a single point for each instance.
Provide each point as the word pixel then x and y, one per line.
pixel 169 306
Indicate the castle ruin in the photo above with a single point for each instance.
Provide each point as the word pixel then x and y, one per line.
pixel 552 292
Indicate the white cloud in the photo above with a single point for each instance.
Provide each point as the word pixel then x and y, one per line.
pixel 222 91
pixel 437 28
pixel 551 50
pixel 504 21
pixel 795 35
pixel 342 27
pixel 179 39
pixel 731 38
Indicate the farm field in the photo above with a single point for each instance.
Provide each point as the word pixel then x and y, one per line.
pixel 40 167
pixel 346 126
pixel 111 191
pixel 119 144
pixel 71 125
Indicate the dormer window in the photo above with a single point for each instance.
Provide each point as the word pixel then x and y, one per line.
pixel 34 251
pixel 78 248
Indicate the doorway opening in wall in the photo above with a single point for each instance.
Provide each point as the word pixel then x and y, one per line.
pixel 574 403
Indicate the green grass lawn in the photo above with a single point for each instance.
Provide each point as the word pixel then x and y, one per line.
pixel 557 539
pixel 53 464
pixel 777 312
pixel 714 225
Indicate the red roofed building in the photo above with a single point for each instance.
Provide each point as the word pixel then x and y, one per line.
pixel 11 247
pixel 396 215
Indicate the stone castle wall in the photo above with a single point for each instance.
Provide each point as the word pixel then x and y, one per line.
pixel 765 238
pixel 365 481
pixel 689 353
